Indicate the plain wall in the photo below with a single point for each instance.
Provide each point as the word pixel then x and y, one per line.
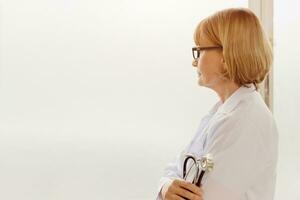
pixel 287 96
pixel 96 97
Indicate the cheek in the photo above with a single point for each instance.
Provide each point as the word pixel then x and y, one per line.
pixel 205 64
pixel 209 66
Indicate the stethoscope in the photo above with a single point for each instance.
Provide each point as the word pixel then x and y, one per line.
pixel 204 164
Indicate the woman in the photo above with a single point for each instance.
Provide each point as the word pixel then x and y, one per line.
pixel 232 56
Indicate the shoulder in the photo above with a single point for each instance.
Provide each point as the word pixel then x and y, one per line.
pixel 250 112
pixel 250 125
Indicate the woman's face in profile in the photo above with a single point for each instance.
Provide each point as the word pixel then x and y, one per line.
pixel 209 65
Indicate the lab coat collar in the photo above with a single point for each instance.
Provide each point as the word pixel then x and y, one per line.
pixel 214 109
pixel 235 98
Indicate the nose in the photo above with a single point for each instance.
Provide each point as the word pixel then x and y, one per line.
pixel 194 63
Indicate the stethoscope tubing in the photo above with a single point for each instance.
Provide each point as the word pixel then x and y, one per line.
pixel 197 180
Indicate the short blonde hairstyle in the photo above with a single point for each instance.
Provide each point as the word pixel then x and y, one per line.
pixel 246 48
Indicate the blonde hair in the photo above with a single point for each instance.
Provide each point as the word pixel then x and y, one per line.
pixel 246 48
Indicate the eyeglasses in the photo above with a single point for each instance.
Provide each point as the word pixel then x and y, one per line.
pixel 196 50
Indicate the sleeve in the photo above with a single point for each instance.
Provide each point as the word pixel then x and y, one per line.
pixel 172 171
pixel 235 149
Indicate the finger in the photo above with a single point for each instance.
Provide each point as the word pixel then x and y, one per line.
pixel 176 197
pixel 186 194
pixel 189 186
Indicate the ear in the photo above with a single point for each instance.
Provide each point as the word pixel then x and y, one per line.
pixel 223 60
pixel 223 64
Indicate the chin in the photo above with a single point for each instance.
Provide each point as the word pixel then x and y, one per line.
pixel 201 83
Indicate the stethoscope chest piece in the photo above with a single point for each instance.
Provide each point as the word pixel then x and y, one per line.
pixel 197 168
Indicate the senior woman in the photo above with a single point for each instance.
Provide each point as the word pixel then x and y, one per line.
pixel 232 56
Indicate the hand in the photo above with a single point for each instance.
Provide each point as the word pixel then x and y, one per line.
pixel 180 190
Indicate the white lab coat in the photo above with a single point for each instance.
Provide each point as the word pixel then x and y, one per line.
pixel 242 138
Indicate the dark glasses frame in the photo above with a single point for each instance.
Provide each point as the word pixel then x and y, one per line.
pixel 196 50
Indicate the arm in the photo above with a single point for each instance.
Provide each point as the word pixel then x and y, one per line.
pixel 174 168
pixel 172 171
pixel 236 150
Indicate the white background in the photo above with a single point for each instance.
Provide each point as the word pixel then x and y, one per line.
pixel 96 97
pixel 287 96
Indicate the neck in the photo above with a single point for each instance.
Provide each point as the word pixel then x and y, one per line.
pixel 225 90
